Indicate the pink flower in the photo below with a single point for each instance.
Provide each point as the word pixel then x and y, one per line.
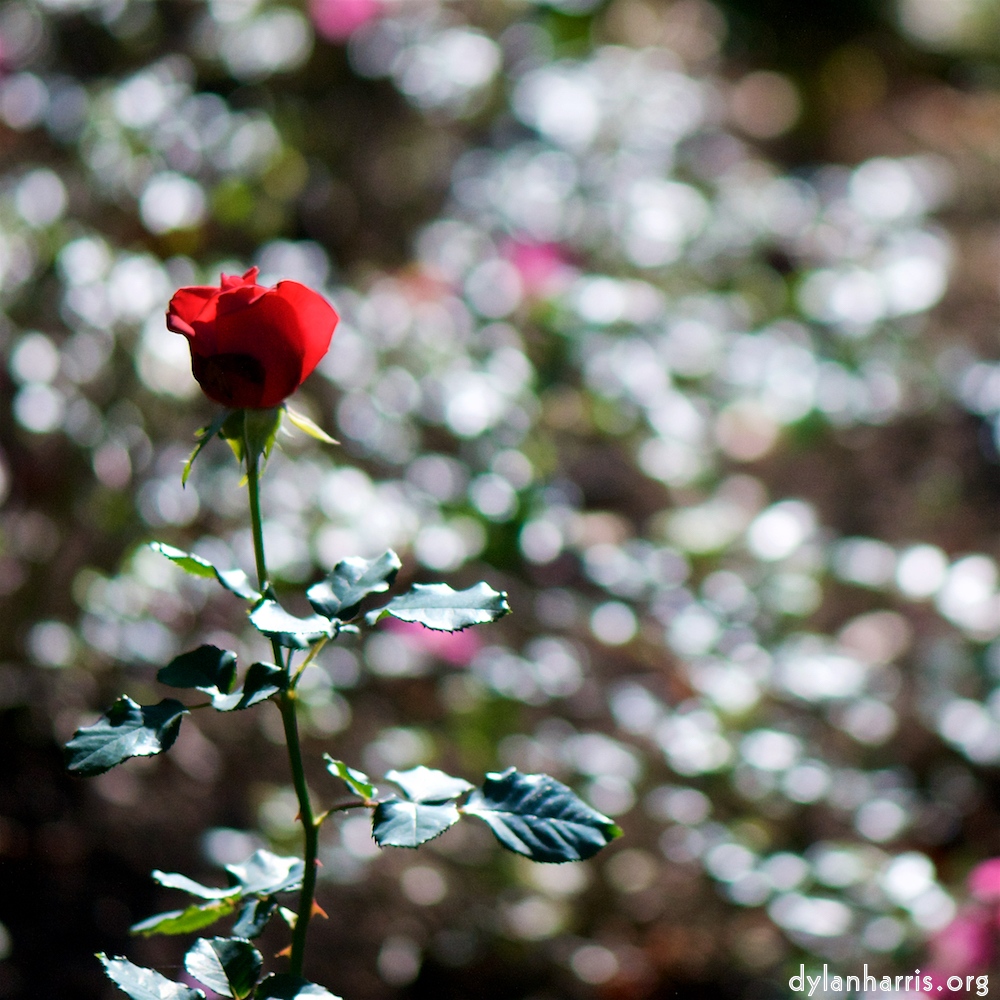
pixel 543 267
pixel 336 20
pixel 966 945
pixel 456 648
pixel 984 881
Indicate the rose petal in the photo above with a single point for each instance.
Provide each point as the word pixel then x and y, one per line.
pixel 268 332
pixel 252 346
pixel 186 306
pixel 316 319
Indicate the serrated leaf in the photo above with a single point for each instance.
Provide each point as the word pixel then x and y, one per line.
pixel 437 606
pixel 264 873
pixel 206 668
pixel 193 918
pixel 424 784
pixel 145 984
pixel 356 780
pixel 285 986
pixel 308 426
pixel 254 917
pixel 204 436
pixel 238 582
pixel 230 966
pixel 399 823
pixel 234 580
pixel 271 619
pixel 339 596
pixel 125 730
pixel 261 681
pixel 172 880
pixel 539 817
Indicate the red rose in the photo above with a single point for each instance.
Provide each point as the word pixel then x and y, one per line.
pixel 252 346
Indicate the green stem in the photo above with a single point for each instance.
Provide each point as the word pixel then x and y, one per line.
pixel 343 807
pixel 253 488
pixel 286 705
pixel 310 830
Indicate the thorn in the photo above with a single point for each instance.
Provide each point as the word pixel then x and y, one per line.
pixel 318 911
pixel 284 953
pixel 319 864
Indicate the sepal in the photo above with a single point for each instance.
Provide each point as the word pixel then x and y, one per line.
pixel 308 426
pixel 205 434
pixel 253 429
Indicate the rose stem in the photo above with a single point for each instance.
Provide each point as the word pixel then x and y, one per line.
pixel 286 704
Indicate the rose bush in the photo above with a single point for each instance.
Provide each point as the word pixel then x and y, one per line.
pixel 252 346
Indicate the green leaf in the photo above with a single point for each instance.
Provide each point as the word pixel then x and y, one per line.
pixel 234 580
pixel 174 881
pixel 356 780
pixel 238 582
pixel 424 784
pixel 285 986
pixel 230 966
pixel 264 873
pixel 204 436
pixel 125 730
pixel 254 917
pixel 303 423
pixel 213 671
pixel 539 817
pixel 262 681
pixel 427 813
pixel 206 668
pixel 192 564
pixel 193 918
pixel 399 823
pixel 270 618
pixel 340 595
pixel 437 606
pixel 145 984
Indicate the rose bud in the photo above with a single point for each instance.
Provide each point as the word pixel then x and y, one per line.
pixel 252 346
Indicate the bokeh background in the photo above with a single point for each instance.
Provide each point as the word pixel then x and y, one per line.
pixel 677 320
